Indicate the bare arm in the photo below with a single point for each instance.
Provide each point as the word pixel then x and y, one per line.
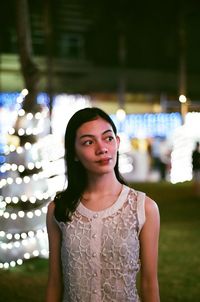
pixel 54 285
pixel 149 238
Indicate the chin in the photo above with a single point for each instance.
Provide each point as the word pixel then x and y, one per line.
pixel 104 170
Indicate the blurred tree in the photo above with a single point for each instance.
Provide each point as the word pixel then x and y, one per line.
pixel 29 68
pixel 48 32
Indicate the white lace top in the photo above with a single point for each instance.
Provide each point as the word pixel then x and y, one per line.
pixel 100 251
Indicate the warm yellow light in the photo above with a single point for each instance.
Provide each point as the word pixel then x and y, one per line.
pixel 182 98
pixel 121 114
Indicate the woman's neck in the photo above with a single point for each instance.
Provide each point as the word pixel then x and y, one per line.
pixel 103 184
pixel 101 193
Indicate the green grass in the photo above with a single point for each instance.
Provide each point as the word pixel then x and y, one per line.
pixel 179 246
pixel 179 250
pixel 24 283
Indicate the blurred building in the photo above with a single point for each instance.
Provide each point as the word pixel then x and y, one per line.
pixel 115 51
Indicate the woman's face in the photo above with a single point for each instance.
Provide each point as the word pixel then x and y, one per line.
pixel 96 146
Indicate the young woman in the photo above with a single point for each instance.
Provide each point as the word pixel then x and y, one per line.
pixel 101 232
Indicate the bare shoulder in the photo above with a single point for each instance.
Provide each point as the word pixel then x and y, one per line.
pixel 50 209
pixel 152 222
pixel 51 206
pixel 52 224
pixel 151 207
pixel 50 212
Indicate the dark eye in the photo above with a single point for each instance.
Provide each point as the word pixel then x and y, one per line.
pixel 87 143
pixel 109 138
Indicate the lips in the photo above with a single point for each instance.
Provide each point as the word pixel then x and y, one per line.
pixel 104 161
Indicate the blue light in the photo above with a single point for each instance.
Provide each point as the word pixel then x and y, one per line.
pixel 149 124
pixel 43 99
pixel 9 99
pixel 2 159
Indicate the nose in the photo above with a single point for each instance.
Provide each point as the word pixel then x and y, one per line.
pixel 101 149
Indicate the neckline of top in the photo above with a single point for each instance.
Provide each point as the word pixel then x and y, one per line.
pixel 108 211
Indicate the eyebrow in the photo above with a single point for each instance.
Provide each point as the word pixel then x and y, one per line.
pixel 91 135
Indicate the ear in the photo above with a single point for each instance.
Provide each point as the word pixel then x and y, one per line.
pixel 118 141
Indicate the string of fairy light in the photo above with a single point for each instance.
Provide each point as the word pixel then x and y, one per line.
pixel 24 179
pixel 19 180
pixel 21 214
pixel 10 241
pixel 19 240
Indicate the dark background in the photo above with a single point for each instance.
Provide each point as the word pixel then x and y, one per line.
pixel 155 34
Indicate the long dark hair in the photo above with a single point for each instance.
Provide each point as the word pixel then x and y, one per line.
pixel 67 201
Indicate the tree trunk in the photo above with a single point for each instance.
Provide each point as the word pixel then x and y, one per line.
pixel 29 69
pixel 48 31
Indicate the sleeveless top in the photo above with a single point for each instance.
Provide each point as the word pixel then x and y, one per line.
pixel 100 251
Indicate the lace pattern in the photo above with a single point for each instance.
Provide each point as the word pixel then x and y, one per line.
pixel 100 252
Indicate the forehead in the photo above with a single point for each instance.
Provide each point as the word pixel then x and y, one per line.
pixel 94 127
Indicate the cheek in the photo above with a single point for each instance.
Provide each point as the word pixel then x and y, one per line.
pixel 114 148
pixel 79 152
pixel 83 156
